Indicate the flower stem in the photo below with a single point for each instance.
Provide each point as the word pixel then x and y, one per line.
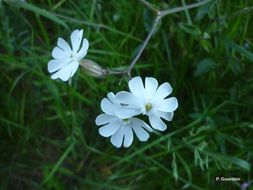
pixel 155 24
pixel 160 15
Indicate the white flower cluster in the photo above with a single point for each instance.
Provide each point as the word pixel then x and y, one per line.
pixel 118 121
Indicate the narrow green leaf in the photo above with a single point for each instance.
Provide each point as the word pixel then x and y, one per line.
pixel 190 29
pixel 231 159
pixel 38 11
pixel 60 161
pixel 238 48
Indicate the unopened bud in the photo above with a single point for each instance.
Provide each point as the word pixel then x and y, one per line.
pixel 92 68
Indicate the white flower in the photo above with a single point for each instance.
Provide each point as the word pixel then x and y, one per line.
pixel 66 59
pixel 150 100
pixel 117 122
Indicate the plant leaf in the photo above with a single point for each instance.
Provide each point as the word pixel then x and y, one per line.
pixel 191 29
pixel 247 54
pixel 234 160
pixel 38 11
pixel 204 66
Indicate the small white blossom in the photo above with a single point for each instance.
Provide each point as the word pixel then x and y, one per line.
pixel 66 59
pixel 150 100
pixel 117 122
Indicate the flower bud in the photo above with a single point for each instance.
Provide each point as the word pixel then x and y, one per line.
pixel 92 68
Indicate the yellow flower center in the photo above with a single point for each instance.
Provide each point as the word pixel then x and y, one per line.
pixel 148 107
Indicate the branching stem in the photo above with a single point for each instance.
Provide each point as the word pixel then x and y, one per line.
pixel 153 29
pixel 159 16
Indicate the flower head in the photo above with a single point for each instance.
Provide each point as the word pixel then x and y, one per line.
pixel 117 122
pixel 66 59
pixel 150 100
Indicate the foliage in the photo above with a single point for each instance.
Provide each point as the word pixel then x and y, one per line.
pixel 48 136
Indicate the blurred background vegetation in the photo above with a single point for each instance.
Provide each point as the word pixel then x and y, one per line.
pixel 48 138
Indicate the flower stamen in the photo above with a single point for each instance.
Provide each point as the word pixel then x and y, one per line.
pixel 148 107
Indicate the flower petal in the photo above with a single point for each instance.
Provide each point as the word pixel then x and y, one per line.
pixel 56 64
pixel 168 105
pixel 58 53
pixel 141 134
pixel 117 138
pixel 136 87
pixel 74 67
pixel 125 112
pixel 83 51
pixel 129 99
pixel 151 85
pixel 107 106
pixel 157 123
pixel 76 38
pixel 142 124
pixel 109 129
pixel 64 45
pixel 166 115
pixel 128 136
pixel 111 96
pixel 64 73
pixel 163 91
pixel 104 119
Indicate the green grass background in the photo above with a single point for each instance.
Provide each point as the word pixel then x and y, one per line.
pixel 48 137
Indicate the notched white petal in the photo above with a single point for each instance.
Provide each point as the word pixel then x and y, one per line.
pixel 109 129
pixel 76 37
pixel 141 134
pixel 111 96
pixel 105 119
pixel 56 64
pixel 58 53
pixel 168 105
pixel 117 138
pixel 136 86
pixel 107 106
pixel 74 67
pixel 64 45
pixel 163 91
pixel 81 33
pixel 166 115
pixel 157 123
pixel 128 136
pixel 140 128
pixel 151 85
pixel 83 51
pixel 64 73
pixel 141 123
